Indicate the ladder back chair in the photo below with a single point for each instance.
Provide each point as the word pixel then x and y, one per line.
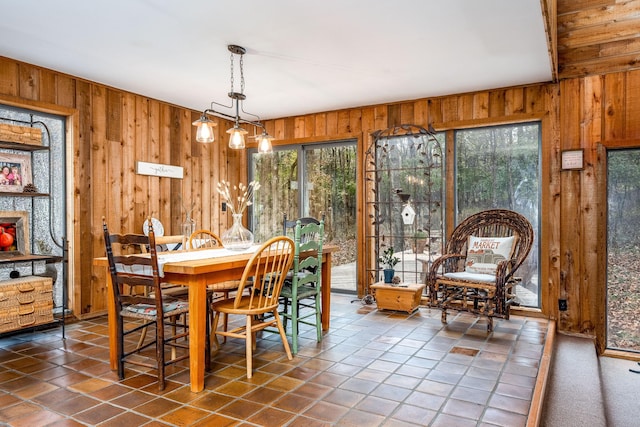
pixel 300 294
pixel 205 239
pixel 152 308
pixel 289 226
pixel 476 272
pixel 268 267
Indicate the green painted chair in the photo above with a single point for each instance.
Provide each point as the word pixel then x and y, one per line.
pixel 300 296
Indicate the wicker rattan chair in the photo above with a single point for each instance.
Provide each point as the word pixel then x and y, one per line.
pixel 454 286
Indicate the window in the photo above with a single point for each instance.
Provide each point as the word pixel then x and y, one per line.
pixel 499 167
pixel 317 180
pixel 623 254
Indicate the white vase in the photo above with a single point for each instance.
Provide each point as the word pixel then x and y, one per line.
pixel 237 237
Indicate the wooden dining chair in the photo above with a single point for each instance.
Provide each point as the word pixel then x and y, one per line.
pixel 289 225
pixel 300 294
pixel 201 239
pixel 137 312
pixel 268 267
pixel 205 239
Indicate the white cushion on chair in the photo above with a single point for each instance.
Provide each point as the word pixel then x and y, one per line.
pixel 484 253
pixel 471 277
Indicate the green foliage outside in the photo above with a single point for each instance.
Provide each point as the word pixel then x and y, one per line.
pixel 623 247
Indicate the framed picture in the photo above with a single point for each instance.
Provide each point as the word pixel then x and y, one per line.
pixel 14 233
pixel 572 159
pixel 15 171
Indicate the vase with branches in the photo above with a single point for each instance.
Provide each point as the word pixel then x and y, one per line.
pixel 237 198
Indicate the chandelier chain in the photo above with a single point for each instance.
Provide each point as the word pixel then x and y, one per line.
pixel 241 74
pixel 231 72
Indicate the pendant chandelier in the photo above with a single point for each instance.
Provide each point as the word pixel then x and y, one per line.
pixel 204 132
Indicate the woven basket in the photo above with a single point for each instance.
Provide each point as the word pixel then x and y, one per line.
pixel 24 302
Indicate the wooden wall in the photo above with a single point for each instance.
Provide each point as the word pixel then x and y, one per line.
pixel 597 36
pixel 111 129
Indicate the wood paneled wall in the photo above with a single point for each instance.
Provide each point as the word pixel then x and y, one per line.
pixel 597 36
pixel 111 129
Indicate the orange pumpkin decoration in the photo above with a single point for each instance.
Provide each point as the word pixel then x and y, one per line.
pixel 6 239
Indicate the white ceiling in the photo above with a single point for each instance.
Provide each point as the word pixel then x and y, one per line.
pixel 302 56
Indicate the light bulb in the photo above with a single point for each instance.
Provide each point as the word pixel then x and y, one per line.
pixel 204 131
pixel 264 143
pixel 236 139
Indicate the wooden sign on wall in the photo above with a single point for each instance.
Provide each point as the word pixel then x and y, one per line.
pixel 158 169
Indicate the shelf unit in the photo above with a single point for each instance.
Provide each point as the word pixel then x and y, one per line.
pixel 28 143
pixel 404 186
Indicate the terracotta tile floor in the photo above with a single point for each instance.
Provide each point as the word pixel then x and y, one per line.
pixel 372 368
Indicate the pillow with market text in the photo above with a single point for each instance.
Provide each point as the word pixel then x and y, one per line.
pixel 484 253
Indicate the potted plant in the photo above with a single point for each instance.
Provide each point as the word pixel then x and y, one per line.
pixel 420 241
pixel 389 260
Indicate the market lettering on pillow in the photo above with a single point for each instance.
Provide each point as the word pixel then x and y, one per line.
pixel 484 253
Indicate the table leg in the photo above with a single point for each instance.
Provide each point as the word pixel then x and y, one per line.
pixel 326 290
pixel 112 325
pixel 197 331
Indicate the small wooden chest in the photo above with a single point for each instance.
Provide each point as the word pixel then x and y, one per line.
pixel 403 297
pixel 25 301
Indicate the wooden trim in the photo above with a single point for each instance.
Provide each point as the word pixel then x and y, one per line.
pixel 600 292
pixel 314 139
pixel 43 107
pixel 550 18
pixel 361 271
pixel 619 354
pixel 72 198
pixel 540 389
pixel 621 143
pixel 488 121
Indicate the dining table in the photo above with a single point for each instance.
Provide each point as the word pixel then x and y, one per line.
pixel 196 269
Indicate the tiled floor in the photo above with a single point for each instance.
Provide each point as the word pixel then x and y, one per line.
pixel 372 368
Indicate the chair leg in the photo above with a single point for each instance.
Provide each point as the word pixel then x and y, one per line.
pixel 283 334
pixel 295 306
pixel 143 336
pixel 226 318
pixel 250 339
pixel 214 337
pixel 318 318
pixel 120 348
pixel 174 332
pixel 207 340
pixel 285 311
pixel 160 353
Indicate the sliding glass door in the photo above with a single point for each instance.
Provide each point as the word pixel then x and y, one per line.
pixel 317 180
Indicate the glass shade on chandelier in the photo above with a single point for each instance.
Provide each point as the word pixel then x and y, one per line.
pixel 264 143
pixel 236 137
pixel 204 130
